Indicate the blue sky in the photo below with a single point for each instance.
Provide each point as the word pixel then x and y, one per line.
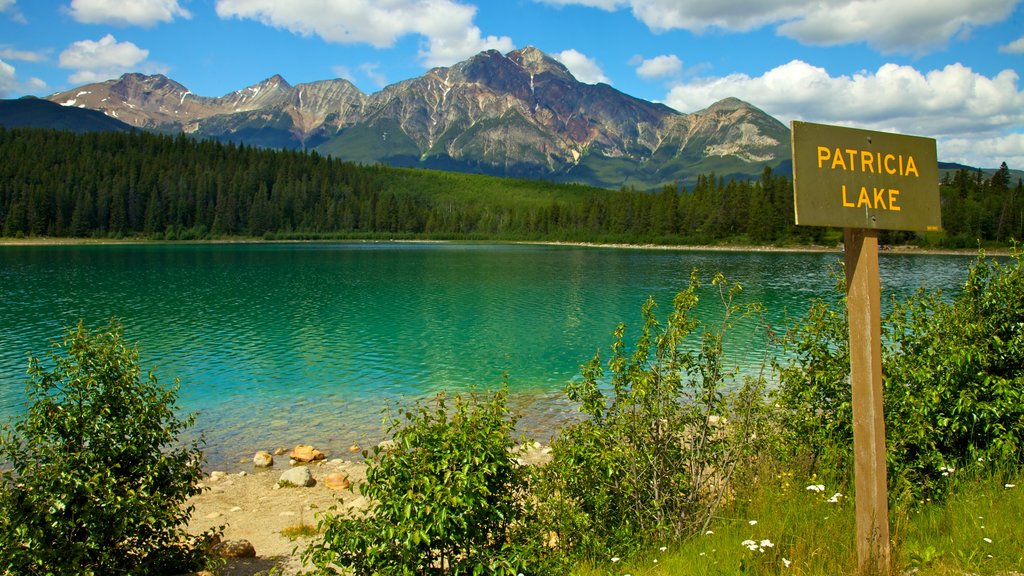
pixel 949 69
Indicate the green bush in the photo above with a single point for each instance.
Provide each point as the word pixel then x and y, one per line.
pixel 447 497
pixel 94 481
pixel 953 381
pixel 655 457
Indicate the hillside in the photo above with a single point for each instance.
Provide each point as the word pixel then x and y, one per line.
pixel 37 113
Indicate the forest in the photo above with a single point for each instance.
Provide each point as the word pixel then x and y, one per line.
pixel 149 186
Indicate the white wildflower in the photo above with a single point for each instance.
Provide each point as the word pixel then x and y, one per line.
pixel 615 559
pixel 786 563
pixel 752 522
pixel 767 543
pixel 835 498
pixel 987 540
pixel 709 532
pixel 1009 485
pixel 816 488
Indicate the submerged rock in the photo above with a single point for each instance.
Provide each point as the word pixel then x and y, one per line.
pixel 263 459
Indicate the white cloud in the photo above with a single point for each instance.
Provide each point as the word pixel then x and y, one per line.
pixel 664 66
pixel 343 72
pixel 370 70
pixel 1015 47
pixel 446 25
pixel 985 152
pixel 11 8
pixel 585 69
pixel 10 85
pixel 127 12
pixel 907 25
pixel 10 53
pixel 8 80
pixel 952 103
pixel 97 60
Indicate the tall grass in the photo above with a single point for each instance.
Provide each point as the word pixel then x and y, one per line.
pixel 780 525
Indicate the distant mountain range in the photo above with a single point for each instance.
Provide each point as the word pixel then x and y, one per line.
pixel 520 114
pixel 517 114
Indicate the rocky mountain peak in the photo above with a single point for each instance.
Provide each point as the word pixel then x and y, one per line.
pixel 536 62
pixel 516 114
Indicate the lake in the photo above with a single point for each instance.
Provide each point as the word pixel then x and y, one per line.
pixel 277 344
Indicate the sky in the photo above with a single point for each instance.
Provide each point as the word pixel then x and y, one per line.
pixel 946 69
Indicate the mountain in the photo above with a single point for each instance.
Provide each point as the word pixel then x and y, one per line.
pixel 517 114
pixel 37 113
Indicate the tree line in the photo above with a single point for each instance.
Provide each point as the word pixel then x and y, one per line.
pixel 138 184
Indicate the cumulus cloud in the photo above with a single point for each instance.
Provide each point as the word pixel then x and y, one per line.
pixel 906 26
pixel 97 60
pixel 952 103
pixel 10 53
pixel 10 85
pixel 8 80
pixel 664 66
pixel 1015 47
pixel 584 68
pixel 127 12
pixel 985 152
pixel 446 26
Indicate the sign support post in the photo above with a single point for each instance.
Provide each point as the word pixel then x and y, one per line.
pixel 865 181
pixel 863 301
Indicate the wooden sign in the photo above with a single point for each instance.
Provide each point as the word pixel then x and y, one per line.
pixel 865 181
pixel 851 178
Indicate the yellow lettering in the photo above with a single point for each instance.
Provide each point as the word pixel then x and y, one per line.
pixel 892 200
pixel 865 198
pixel 846 203
pixel 911 167
pixel 853 158
pixel 888 168
pixel 879 198
pixel 867 161
pixel 837 160
pixel 823 155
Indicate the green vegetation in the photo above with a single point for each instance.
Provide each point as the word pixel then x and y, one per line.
pixel 954 381
pixel 94 481
pixel 141 185
pixel 657 452
pixel 682 465
pixel 448 497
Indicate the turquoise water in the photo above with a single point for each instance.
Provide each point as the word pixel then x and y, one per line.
pixel 276 344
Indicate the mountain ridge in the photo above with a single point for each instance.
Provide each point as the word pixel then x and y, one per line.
pixel 517 114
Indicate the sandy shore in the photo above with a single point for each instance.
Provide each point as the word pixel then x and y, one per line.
pixel 48 241
pixel 251 506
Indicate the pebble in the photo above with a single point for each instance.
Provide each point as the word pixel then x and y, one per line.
pixel 213 515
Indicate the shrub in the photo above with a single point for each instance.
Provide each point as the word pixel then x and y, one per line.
pixel 448 497
pixel 94 480
pixel 954 380
pixel 654 458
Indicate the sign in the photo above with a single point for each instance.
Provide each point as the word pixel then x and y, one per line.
pixel 851 178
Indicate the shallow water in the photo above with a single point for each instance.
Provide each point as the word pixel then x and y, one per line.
pixel 276 344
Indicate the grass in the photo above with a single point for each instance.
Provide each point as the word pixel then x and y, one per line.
pixel 782 527
pixel 300 530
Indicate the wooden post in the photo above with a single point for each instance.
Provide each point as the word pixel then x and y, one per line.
pixel 863 301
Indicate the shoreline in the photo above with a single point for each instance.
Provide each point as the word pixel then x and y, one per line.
pixel 801 248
